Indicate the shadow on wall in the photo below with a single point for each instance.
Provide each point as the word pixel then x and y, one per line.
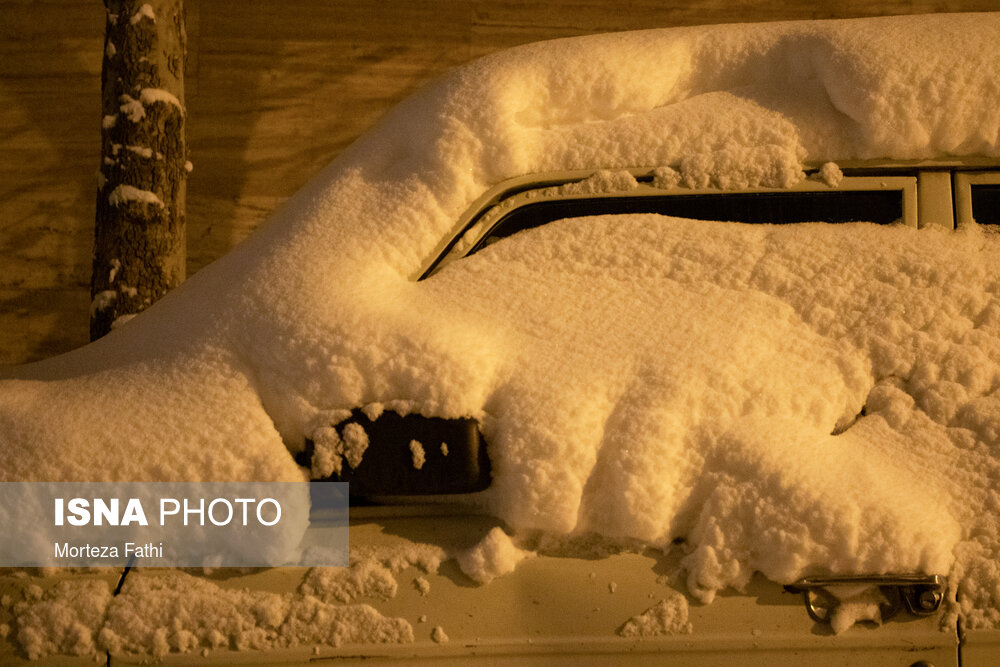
pixel 283 88
pixel 274 91
pixel 50 134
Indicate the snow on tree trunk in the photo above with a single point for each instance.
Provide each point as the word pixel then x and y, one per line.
pixel 139 239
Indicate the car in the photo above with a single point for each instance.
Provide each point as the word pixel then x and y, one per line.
pixel 603 325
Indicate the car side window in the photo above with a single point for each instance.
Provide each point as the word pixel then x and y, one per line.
pixel 977 197
pixel 883 199
pixel 878 206
pixel 986 204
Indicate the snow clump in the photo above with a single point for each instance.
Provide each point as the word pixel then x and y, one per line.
pixel 667 617
pixel 494 556
pixel 830 174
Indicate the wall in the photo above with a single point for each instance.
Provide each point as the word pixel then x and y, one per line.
pixel 275 89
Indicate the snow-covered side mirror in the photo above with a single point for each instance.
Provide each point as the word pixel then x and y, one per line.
pixel 393 455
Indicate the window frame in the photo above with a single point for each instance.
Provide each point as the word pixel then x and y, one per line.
pixel 509 195
pixel 962 183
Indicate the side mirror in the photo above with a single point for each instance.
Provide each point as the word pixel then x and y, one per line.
pixel 413 455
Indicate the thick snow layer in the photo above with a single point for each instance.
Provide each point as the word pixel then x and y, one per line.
pixel 789 399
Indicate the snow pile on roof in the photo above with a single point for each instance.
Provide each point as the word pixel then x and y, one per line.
pixel 640 377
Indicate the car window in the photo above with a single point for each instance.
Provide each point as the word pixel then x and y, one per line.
pixel 883 199
pixel 977 197
pixel 878 206
pixel 986 204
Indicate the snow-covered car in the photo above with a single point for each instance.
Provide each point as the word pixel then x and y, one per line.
pixel 613 415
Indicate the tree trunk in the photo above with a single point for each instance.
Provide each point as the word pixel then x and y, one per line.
pixel 139 240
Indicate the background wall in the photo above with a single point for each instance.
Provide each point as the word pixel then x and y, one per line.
pixel 275 89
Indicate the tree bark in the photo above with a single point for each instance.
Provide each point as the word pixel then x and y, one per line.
pixel 139 238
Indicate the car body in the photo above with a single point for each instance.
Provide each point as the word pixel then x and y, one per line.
pixel 653 406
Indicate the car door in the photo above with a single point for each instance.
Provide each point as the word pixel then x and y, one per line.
pixel 567 622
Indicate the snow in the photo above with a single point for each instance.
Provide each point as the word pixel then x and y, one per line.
pixel 123 194
pixel 830 174
pixel 418 455
pixel 602 181
pixel 855 604
pixel 666 178
pixel 667 617
pixel 741 167
pixel 366 578
pixel 328 447
pixel 141 151
pixel 135 109
pixel 638 377
pixel 144 12
pixel 331 448
pixel 177 612
pixel 122 320
pixel 116 266
pixel 355 443
pixel 132 108
pixel 373 410
pixel 427 557
pixel 163 612
pixel 158 95
pixel 64 620
pixel 102 301
pixel 495 555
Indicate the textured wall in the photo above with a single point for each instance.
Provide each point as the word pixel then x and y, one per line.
pixel 275 89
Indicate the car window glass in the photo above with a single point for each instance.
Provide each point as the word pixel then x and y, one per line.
pixel 986 204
